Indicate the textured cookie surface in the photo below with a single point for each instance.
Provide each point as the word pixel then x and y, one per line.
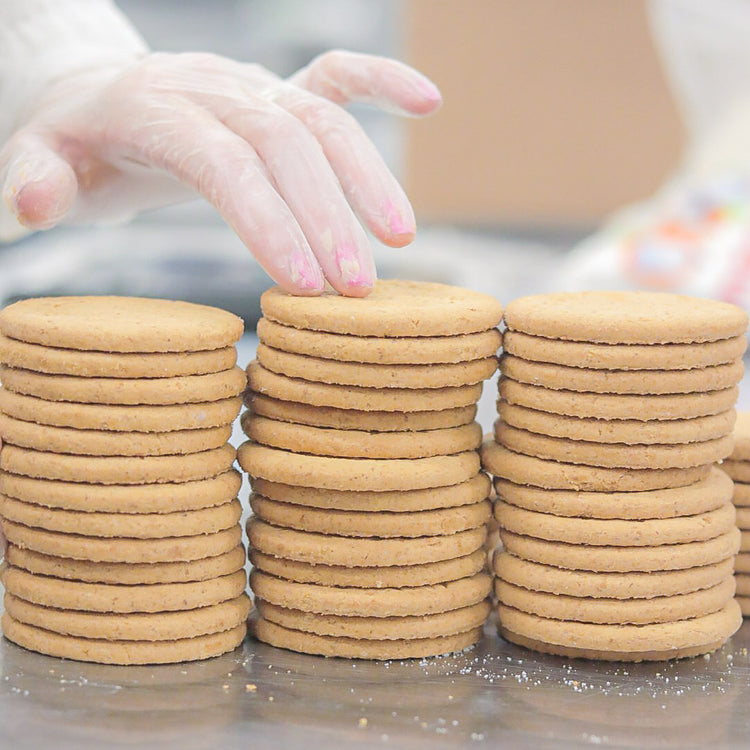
pixel 706 495
pixel 353 419
pixel 741 450
pixel 628 431
pixel 361 648
pixel 465 493
pixel 621 642
pixel 615 532
pixel 372 577
pixel 625 317
pixel 120 324
pixel 373 524
pixel 375 375
pixel 631 585
pixel 126 391
pixel 327 549
pixel 623 356
pixel 107 443
pixel 325 472
pixel 121 652
pixel 393 308
pixel 133 525
pixel 540 472
pixel 151 626
pixel 605 559
pixel 110 365
pixel 414 350
pixel 381 628
pixel 655 456
pixel 116 418
pixel 617 406
pixel 124 550
pixel 641 382
pixel 126 573
pixel 301 391
pixel 619 611
pixel 140 498
pixel 326 441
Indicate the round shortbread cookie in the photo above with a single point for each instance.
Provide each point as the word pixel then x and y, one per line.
pixel 120 324
pixel 104 443
pixel 395 576
pixel 126 573
pixel 103 597
pixel 743 584
pixel 743 518
pixel 186 389
pixel 352 419
pixel 540 472
pixel 377 628
pixel 741 495
pixel 104 364
pixel 301 391
pixel 623 356
pixel 372 524
pixel 393 308
pixel 136 626
pixel 121 652
pixel 613 455
pixel 741 450
pixel 326 549
pixel 139 498
pixel 413 350
pixel 325 441
pixel 361 648
pixel 452 496
pixel 744 605
pixel 625 317
pixel 358 602
pixel 617 406
pixel 667 639
pixel 131 525
pixel 375 375
pixel 612 586
pixel 604 559
pixel 117 469
pixel 120 418
pixel 615 532
pixel 739 471
pixel 638 382
pixel 616 611
pixel 742 562
pixel 708 494
pixel 627 431
pixel 122 550
pixel 325 472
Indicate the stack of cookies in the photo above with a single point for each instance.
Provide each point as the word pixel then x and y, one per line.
pixel 618 532
pixel 737 466
pixel 117 493
pixel 370 507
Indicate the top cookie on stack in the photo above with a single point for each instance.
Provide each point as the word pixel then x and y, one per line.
pixel 370 506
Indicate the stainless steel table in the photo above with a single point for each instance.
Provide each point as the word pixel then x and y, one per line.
pixel 496 695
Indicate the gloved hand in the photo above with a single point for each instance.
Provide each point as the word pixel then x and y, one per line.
pixel 280 160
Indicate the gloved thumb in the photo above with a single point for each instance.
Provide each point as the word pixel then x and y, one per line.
pixel 39 186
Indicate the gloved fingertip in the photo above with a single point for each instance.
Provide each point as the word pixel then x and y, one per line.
pixel 356 271
pixel 41 204
pixel 305 276
pixel 400 224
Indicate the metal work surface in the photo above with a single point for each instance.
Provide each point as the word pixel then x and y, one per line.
pixel 495 695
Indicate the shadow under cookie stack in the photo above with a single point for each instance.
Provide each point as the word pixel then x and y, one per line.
pixel 618 532
pixel 369 506
pixel 118 496
pixel 737 466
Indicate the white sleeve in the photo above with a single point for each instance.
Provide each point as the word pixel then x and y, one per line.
pixel 44 40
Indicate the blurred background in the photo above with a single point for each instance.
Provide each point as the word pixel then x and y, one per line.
pixel 556 115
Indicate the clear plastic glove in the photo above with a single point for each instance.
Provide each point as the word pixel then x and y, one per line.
pixel 282 162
